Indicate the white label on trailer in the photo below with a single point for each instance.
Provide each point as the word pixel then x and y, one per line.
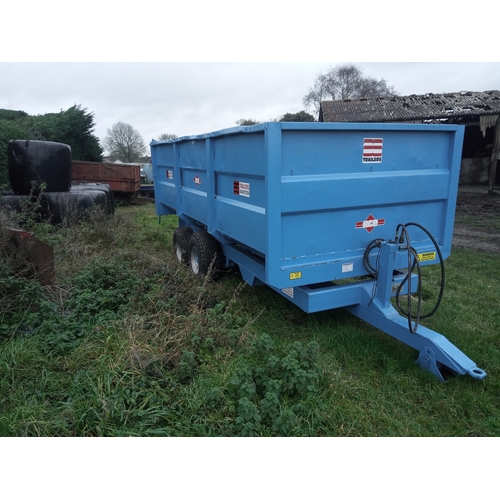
pixel 241 188
pixel 288 291
pixel 170 174
pixel 372 150
pixel 348 267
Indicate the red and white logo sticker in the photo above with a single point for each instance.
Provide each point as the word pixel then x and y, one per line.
pixel 241 188
pixel 197 181
pixel 369 223
pixel 372 150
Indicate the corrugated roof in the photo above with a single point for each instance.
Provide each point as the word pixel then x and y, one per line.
pixel 412 107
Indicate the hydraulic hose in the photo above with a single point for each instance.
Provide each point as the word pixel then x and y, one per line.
pixel 411 266
pixel 401 237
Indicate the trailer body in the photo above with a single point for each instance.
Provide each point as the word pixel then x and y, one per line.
pixel 123 178
pixel 297 205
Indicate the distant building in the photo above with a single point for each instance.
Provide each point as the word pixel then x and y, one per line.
pixel 478 111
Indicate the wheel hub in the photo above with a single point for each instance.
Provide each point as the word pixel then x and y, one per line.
pixel 195 266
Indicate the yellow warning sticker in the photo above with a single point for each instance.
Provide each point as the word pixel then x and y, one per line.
pixel 295 276
pixel 422 257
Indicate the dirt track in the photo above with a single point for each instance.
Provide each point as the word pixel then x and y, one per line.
pixel 475 202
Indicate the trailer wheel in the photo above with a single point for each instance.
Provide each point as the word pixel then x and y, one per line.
pixel 181 243
pixel 205 256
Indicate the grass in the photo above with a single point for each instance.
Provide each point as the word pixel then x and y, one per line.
pixel 488 224
pixel 130 344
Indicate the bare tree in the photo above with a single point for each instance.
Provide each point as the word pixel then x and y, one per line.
pixel 370 87
pixel 246 122
pixel 317 93
pixel 166 137
pixel 124 143
pixel 345 82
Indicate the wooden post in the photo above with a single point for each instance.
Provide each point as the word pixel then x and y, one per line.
pixel 495 155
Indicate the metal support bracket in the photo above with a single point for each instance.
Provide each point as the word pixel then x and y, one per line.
pixel 427 361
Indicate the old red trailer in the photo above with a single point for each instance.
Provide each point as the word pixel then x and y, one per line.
pixel 123 178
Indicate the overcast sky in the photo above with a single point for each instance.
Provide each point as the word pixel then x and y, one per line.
pixel 187 97
pixel 194 98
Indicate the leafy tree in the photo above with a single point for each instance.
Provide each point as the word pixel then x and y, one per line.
pixel 166 137
pixel 246 121
pixel 345 82
pixel 124 143
pixel 301 116
pixel 73 127
pixel 13 116
pixel 13 125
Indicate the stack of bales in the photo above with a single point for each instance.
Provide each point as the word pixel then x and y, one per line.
pixel 40 171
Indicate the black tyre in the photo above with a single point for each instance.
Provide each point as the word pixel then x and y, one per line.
pixel 205 256
pixel 181 243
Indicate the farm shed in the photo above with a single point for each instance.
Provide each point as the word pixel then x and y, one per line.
pixel 478 111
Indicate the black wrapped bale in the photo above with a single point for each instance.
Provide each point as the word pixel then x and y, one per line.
pixel 13 201
pixel 30 207
pixel 97 186
pixel 32 163
pixel 75 205
pixel 70 207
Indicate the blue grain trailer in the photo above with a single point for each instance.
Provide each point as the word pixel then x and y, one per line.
pixel 328 215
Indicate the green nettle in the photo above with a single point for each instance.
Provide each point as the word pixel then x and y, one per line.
pixel 267 384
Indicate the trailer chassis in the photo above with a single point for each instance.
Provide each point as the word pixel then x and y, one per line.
pixel 370 300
